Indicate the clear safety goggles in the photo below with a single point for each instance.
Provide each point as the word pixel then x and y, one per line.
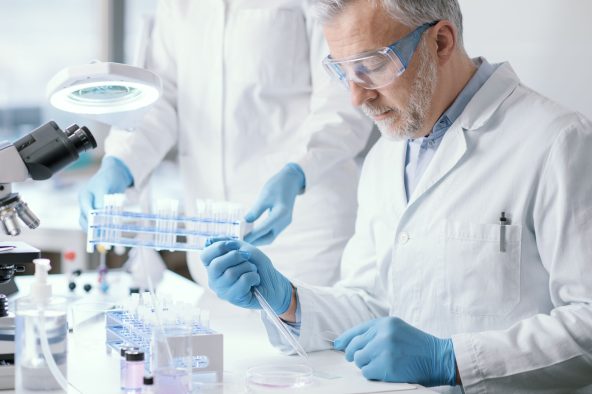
pixel 378 68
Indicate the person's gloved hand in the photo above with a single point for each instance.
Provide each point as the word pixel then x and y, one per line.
pixel 391 350
pixel 112 177
pixel 235 267
pixel 278 195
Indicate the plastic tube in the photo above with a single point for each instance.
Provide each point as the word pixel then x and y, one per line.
pixel 40 292
pixel 51 364
pixel 159 324
pixel 280 325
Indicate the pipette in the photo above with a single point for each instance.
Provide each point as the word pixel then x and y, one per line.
pixel 280 325
pixel 275 319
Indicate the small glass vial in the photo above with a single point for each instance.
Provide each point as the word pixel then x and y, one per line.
pixel 148 385
pixel 134 371
pixel 122 364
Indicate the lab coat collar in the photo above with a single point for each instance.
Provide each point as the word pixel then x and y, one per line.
pixel 477 112
pixel 450 151
pixel 488 99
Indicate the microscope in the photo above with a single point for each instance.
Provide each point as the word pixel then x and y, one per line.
pixel 38 155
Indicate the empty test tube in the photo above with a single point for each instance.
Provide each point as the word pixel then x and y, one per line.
pixel 205 318
pixel 195 317
pixel 207 218
pixel 167 209
pixel 200 212
pixel 113 204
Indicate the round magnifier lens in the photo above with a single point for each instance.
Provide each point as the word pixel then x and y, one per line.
pixel 103 88
pixel 104 95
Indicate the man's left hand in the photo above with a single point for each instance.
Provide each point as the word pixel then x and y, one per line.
pixel 391 350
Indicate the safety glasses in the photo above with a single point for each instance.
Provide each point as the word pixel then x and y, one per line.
pixel 378 68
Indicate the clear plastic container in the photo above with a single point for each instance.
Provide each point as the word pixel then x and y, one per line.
pixel 33 322
pixel 273 378
pixel 172 358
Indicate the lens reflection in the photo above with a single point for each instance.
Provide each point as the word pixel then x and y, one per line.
pixel 104 95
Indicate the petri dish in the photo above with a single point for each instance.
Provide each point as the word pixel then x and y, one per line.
pixel 270 378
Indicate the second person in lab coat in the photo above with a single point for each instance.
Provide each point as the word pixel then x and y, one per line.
pixel 244 95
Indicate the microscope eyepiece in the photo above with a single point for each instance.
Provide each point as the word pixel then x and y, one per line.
pixel 81 138
pixel 47 149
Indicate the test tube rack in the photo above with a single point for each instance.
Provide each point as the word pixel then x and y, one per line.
pixel 164 229
pixel 126 329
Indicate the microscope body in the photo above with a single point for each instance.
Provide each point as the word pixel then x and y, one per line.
pixel 13 258
pixel 38 155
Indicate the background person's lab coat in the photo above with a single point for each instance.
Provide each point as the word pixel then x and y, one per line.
pixel 244 94
pixel 520 320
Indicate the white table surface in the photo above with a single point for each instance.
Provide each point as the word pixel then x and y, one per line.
pixel 245 343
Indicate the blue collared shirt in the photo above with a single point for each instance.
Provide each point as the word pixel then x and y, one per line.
pixel 420 151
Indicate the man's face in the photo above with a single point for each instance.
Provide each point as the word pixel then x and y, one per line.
pixel 400 108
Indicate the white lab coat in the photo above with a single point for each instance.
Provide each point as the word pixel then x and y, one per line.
pixel 521 320
pixel 244 94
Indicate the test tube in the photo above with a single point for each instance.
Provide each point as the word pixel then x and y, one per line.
pixel 174 213
pixel 105 221
pixel 205 318
pixel 207 217
pixel 167 210
pixel 195 317
pixel 113 205
pixel 200 211
pixel 236 219
pixel 225 218
pixel 215 219
pixel 134 301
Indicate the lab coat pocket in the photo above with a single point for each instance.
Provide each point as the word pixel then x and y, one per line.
pixel 265 45
pixel 481 280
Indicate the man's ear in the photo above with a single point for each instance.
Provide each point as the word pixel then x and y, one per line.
pixel 444 34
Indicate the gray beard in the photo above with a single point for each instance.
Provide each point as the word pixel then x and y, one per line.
pixel 412 118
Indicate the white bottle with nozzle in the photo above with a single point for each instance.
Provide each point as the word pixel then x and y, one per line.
pixel 41 337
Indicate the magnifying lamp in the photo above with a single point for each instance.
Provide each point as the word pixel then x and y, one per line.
pixel 102 88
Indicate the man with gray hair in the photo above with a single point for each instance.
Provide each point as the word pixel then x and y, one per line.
pixel 470 264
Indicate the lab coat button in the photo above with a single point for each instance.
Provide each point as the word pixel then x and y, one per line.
pixel 403 238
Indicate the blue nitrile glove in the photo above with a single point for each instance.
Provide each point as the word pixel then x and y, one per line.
pixel 112 177
pixel 391 350
pixel 278 195
pixel 235 267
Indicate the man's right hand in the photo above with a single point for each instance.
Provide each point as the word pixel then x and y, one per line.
pixel 236 267
pixel 112 177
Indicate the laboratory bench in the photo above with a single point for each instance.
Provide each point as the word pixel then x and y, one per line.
pixel 245 342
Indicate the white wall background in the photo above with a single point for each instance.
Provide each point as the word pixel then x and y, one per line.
pixel 548 43
pixel 39 38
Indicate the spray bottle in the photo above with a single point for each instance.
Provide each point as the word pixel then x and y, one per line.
pixel 41 337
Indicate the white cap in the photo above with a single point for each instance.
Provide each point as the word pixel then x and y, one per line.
pixel 40 289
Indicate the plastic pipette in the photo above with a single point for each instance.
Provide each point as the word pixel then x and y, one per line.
pixel 280 325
